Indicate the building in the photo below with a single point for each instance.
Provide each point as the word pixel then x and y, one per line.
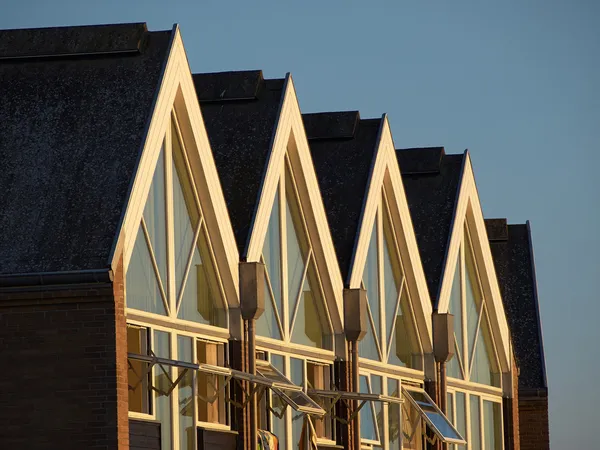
pixel 187 259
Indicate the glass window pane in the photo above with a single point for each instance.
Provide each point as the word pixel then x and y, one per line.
pixel 310 324
pixel 200 301
pixel 187 427
pixel 404 349
pixel 439 421
pixel 297 377
pixel 461 416
pixel 272 252
pixel 142 290
pixel 450 413
pixel 266 325
pixel 473 299
pixel 368 347
pixel 277 424
pixel 492 425
pixel 209 385
pixel 139 397
pixel 394 416
pixel 155 218
pixel 392 278
pixel 185 213
pixel 482 370
pixel 368 428
pixel 455 309
pixel 475 438
pixel 295 259
pixel 162 348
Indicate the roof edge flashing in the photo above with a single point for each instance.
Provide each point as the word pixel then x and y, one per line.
pixel 30 44
pixel 41 279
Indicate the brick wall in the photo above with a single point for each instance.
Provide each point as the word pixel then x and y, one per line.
pixel 58 387
pixel 533 421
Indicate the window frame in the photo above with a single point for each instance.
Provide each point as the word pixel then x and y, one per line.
pixel 483 396
pixel 172 301
pixel 383 214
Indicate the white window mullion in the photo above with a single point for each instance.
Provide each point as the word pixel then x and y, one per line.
pixel 299 294
pixel 285 318
pixel 463 303
pixel 171 288
pixel 188 265
pixel 174 396
pixel 380 333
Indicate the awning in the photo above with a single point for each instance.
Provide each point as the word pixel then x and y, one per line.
pixel 433 416
pixel 267 377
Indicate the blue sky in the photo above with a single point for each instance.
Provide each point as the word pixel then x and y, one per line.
pixel 514 82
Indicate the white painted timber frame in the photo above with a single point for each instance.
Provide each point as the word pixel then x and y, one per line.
pixel 468 212
pixel 290 143
pixel 177 95
pixel 385 175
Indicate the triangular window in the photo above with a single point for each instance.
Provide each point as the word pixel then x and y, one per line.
pixel 189 290
pixel 391 331
pixel 298 313
pixel 475 357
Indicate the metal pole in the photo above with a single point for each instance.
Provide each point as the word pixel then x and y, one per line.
pixel 355 388
pixel 252 369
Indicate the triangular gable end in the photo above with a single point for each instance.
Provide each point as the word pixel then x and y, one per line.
pixel 176 165
pixel 386 203
pixel 468 216
pixel 313 284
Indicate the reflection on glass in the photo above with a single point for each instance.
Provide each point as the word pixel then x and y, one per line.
pixel 295 259
pixel 297 377
pixel 461 416
pixel 367 347
pixel 272 253
pixel 162 383
pixel 368 425
pixel 482 370
pixel 392 285
pixel 310 327
pixel 277 424
pixel 137 342
pixel 473 299
pixel 455 309
pixel 199 302
pixel 450 413
pixel 404 347
pixel 155 218
pixel 266 324
pixel 439 421
pixel 142 287
pixel 394 416
pixel 185 214
pixel 186 395
pixel 492 425
pixel 475 438
pixel 209 385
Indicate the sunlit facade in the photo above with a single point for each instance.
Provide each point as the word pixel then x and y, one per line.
pixel 268 279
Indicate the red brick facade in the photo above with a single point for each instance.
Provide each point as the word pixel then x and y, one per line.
pixel 59 378
pixel 533 422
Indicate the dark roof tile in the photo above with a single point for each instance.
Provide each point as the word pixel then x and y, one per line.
pixel 71 133
pixel 240 134
pixel 431 182
pixel 515 269
pixel 343 165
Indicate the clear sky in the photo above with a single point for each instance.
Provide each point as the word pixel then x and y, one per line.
pixel 515 82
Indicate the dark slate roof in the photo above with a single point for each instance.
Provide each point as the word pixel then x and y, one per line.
pixel 74 107
pixel 240 111
pixel 513 259
pixel 431 182
pixel 343 148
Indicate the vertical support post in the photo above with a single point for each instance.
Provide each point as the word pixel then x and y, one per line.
pixel 252 297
